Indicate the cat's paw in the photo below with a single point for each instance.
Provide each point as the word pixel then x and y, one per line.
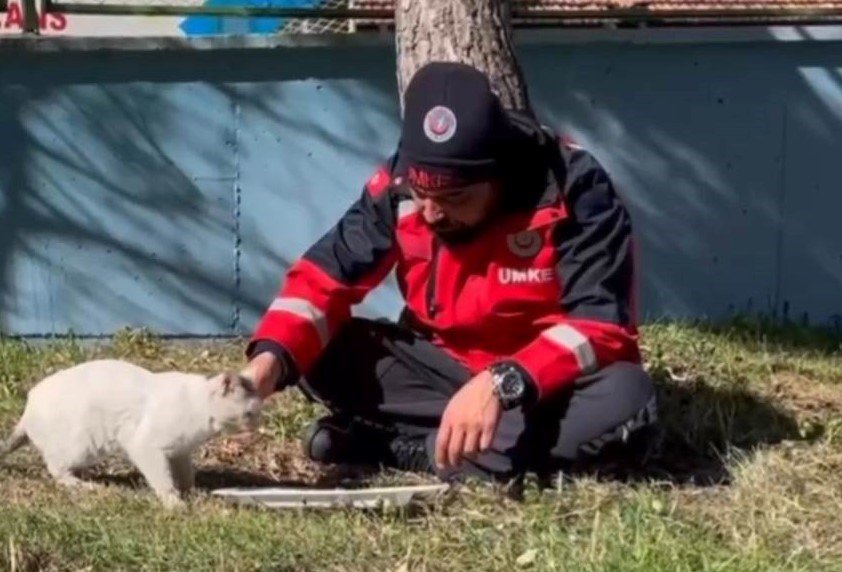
pixel 172 502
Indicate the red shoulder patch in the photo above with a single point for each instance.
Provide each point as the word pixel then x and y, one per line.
pixel 378 182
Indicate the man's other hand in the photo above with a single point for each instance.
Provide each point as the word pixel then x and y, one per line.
pixel 469 421
pixel 264 370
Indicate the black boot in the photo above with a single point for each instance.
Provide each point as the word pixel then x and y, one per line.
pixel 409 453
pixel 337 439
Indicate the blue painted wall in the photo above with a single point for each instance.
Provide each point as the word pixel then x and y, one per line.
pixel 172 189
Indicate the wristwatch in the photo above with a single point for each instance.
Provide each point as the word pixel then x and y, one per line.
pixel 510 385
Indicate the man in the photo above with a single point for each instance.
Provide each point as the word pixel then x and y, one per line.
pixel 517 347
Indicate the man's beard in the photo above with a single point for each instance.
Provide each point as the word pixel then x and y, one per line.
pixel 456 234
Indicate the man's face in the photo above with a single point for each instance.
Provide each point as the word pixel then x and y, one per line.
pixel 455 213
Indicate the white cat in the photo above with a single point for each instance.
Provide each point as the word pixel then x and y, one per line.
pixel 77 416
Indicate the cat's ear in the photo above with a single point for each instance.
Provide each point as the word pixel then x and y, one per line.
pixel 229 382
pixel 221 384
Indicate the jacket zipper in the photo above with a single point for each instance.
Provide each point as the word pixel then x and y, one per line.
pixel 431 281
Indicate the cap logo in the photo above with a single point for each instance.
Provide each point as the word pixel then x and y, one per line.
pixel 439 124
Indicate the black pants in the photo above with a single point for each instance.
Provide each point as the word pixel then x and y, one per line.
pixel 384 374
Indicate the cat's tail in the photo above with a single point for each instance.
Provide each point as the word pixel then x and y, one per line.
pixel 15 441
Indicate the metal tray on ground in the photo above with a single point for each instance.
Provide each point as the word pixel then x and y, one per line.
pixel 283 497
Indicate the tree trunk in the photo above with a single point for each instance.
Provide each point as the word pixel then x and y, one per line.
pixel 475 32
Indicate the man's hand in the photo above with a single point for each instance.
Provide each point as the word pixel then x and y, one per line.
pixel 469 421
pixel 264 369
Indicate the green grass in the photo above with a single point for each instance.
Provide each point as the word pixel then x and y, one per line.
pixel 751 479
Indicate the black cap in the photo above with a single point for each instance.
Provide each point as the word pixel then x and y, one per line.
pixel 454 127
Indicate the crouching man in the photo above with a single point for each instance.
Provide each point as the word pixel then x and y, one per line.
pixel 517 347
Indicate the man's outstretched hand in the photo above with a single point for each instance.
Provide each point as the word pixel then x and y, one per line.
pixel 264 369
pixel 469 421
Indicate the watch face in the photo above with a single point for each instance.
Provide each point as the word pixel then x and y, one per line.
pixel 511 384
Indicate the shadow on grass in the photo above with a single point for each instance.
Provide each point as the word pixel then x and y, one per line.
pixel 700 426
pixel 206 479
pixel 209 479
pixel 328 478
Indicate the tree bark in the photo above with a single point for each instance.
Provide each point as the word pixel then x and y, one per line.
pixel 475 32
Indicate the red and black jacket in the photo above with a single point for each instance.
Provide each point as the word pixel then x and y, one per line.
pixel 548 285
